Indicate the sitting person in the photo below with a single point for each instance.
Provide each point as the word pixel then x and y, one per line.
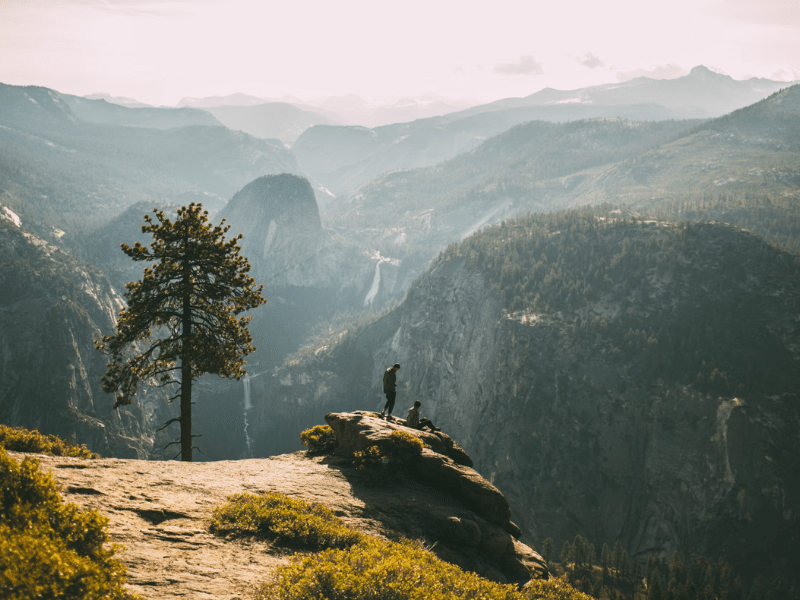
pixel 414 421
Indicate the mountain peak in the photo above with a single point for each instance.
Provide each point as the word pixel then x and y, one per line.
pixel 704 73
pixel 272 197
pixel 279 219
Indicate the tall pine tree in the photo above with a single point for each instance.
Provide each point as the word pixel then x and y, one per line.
pixel 197 286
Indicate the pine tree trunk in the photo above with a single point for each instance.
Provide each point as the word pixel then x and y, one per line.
pixel 186 411
pixel 186 364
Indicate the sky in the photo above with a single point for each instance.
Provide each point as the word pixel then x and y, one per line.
pixel 160 51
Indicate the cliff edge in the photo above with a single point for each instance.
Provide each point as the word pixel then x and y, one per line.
pixel 160 512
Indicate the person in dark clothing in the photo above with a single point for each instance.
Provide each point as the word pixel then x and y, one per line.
pixel 390 388
pixel 414 421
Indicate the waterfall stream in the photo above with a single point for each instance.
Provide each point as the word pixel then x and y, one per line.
pixel 247 406
pixel 376 283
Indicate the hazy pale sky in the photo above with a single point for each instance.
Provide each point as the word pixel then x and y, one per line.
pixel 158 51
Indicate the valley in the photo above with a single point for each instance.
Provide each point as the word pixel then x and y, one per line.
pixel 601 303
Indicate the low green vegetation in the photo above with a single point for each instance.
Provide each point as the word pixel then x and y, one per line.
pixel 385 463
pixel 400 449
pixel 288 521
pixel 49 549
pixel 345 565
pixel 377 570
pixel 320 439
pixel 18 439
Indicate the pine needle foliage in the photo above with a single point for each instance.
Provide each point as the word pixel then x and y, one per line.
pixel 197 286
pixel 49 549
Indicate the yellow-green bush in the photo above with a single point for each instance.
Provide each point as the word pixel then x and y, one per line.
pixel 369 458
pixel 403 447
pixel 400 448
pixel 377 569
pixel 49 549
pixel 18 439
pixel 553 589
pixel 319 439
pixel 287 520
pixel 352 565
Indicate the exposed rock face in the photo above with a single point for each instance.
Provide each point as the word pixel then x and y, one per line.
pixel 482 541
pixel 160 512
pixel 52 307
pixel 283 236
pixel 443 464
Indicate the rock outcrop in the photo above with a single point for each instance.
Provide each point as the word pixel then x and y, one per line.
pixel 160 512
pixel 475 532
pixel 283 235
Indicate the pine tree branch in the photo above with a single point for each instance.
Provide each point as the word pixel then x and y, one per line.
pixel 167 424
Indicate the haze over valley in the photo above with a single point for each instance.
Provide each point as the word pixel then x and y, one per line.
pixel 593 289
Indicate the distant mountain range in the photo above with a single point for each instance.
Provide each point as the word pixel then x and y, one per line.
pixel 344 110
pixel 424 142
pixel 700 94
pixel 539 166
pixel 77 172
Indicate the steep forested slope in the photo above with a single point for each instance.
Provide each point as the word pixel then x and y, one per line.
pixel 619 379
pixel 52 307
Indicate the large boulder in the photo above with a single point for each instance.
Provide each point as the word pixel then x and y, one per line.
pixel 359 430
pixel 471 526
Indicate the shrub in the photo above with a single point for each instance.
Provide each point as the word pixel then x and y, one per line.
pixel 18 439
pixel 319 439
pixel 553 589
pixel 376 569
pixel 371 458
pixel 49 549
pixel 287 520
pixel 403 447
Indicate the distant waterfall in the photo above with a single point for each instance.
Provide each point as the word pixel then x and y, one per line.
pixel 376 283
pixel 247 407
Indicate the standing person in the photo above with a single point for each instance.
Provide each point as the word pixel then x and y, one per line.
pixel 414 421
pixel 390 388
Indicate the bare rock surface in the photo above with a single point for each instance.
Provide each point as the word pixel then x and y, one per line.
pixel 160 512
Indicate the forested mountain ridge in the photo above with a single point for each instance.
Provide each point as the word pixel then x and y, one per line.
pixel 98 110
pixel 618 379
pixel 75 175
pixel 52 307
pixel 484 186
pixel 540 166
pixel 345 157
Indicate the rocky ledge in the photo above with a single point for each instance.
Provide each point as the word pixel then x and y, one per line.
pixel 470 525
pixel 160 511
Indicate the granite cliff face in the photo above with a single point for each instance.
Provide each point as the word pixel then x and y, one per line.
pixel 283 236
pixel 588 429
pixel 52 307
